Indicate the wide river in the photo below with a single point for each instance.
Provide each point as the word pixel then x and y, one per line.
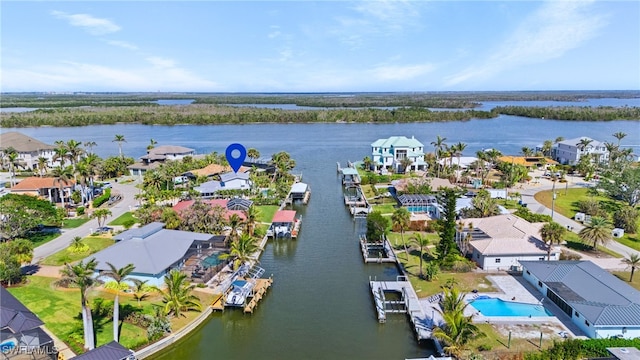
pixel 320 306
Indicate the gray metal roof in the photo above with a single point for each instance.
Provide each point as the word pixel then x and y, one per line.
pixel 14 316
pixel 141 232
pixel 600 297
pixel 232 176
pixel 239 204
pixel 110 351
pixel 152 254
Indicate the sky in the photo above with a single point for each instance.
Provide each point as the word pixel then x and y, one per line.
pixel 319 46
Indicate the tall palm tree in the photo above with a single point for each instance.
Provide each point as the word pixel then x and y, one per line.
pixel 253 154
pixel 584 143
pixel 90 145
pixel 235 225
pixel 241 250
pixel 619 135
pixel 406 164
pixel 597 231
pixel 101 215
pixel 551 233
pixel 60 152
pixel 62 176
pixel 177 295
pixel 81 276
pixel 43 165
pixel 74 151
pixel 252 215
pixel 120 276
pixel 547 146
pixel 423 244
pixel 119 139
pixel 633 261
pixel 14 161
pixel 401 219
pixel 526 151
pixel 438 146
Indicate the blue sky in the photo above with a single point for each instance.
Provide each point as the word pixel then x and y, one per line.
pixel 314 46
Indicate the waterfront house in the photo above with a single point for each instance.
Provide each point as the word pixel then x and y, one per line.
pixel 389 153
pixel 501 242
pixel 28 149
pixel 154 251
pixel 600 304
pixel 284 225
pixel 157 156
pixel 530 162
pixel 228 181
pixel 234 206
pixel 111 351
pixel 48 188
pixel 420 204
pixel 213 170
pixel 570 151
pixel 21 331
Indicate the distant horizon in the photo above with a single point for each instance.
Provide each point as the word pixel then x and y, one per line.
pixel 318 46
pixel 80 92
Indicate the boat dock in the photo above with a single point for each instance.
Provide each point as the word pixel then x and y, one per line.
pixel 259 290
pixel 408 303
pixel 384 250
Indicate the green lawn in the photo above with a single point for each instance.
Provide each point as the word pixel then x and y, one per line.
pixel 567 204
pixel 267 212
pixel 624 276
pixel 65 256
pixel 41 238
pixel 122 219
pixel 75 222
pixel 385 208
pixel 60 310
pixel 574 242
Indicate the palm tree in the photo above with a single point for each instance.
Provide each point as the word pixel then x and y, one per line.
pixel 406 164
pixel 584 143
pixel 547 146
pixel 633 261
pixel 597 231
pixel 438 145
pixel 81 276
pixel 43 164
pixel 177 295
pixel 77 244
pixel 241 250
pixel 422 243
pixel 60 152
pixel 152 144
pixel 253 154
pixel 119 139
pixel 252 215
pixel 62 176
pixel 366 162
pixel 141 290
pixel 235 225
pixel 14 160
pixel 90 145
pixel 101 215
pixel 74 151
pixel 458 329
pixel 551 233
pixel 619 135
pixel 526 151
pixel 120 276
pixel 401 219
pixel 459 148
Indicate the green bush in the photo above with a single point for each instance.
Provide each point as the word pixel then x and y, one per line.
pixel 112 285
pixel 574 349
pixel 128 223
pixel 80 210
pixel 485 347
pixel 102 198
pixel 524 213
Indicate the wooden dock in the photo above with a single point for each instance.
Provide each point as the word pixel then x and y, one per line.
pixel 422 323
pixel 260 289
pixel 218 303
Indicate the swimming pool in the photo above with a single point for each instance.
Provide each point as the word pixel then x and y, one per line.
pixel 211 260
pixel 498 307
pixel 422 209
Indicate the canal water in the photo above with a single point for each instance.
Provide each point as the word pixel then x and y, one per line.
pixel 320 306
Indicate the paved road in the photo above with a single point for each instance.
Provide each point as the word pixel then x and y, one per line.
pixel 127 191
pixel 534 206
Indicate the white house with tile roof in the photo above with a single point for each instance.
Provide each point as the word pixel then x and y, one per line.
pixel 502 242
pixel 388 153
pixel 569 151
pixel 600 304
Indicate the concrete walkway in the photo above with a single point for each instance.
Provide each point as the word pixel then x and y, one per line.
pixel 128 192
pixel 528 192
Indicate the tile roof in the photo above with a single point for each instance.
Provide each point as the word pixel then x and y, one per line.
pixel 22 143
pixel 284 216
pixel 37 183
pixel 506 234
pixel 211 169
pixel 600 297
pixel 109 351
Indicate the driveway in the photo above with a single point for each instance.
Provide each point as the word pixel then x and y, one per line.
pixel 128 192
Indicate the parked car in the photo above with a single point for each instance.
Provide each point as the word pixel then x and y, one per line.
pixel 104 230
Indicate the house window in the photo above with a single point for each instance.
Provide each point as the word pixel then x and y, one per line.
pixel 586 322
pixel 477 255
pixel 577 315
pixel 497 260
pixel 528 273
pixel 539 284
pixel 541 259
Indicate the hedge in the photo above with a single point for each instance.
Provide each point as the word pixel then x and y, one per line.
pixel 102 198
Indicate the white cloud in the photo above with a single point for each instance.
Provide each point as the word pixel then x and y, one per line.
pixel 392 14
pixel 93 25
pixel 122 44
pixel 407 72
pixel 160 62
pixel 557 27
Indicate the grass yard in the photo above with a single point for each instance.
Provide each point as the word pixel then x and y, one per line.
pixel 624 276
pixel 267 212
pixel 75 222
pixel 95 244
pixel 495 343
pixel 124 218
pixel 567 205
pixel 385 208
pixel 41 238
pixel 60 310
pixel 575 243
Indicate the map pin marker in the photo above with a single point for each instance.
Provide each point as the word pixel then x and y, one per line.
pixel 236 162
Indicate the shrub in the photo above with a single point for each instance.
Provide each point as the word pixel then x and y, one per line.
pixel 102 198
pixel 524 213
pixel 138 319
pixel 128 223
pixel 112 285
pixel 80 210
pixel 102 308
pixel 485 347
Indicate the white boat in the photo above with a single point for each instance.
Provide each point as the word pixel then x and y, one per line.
pixel 238 292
